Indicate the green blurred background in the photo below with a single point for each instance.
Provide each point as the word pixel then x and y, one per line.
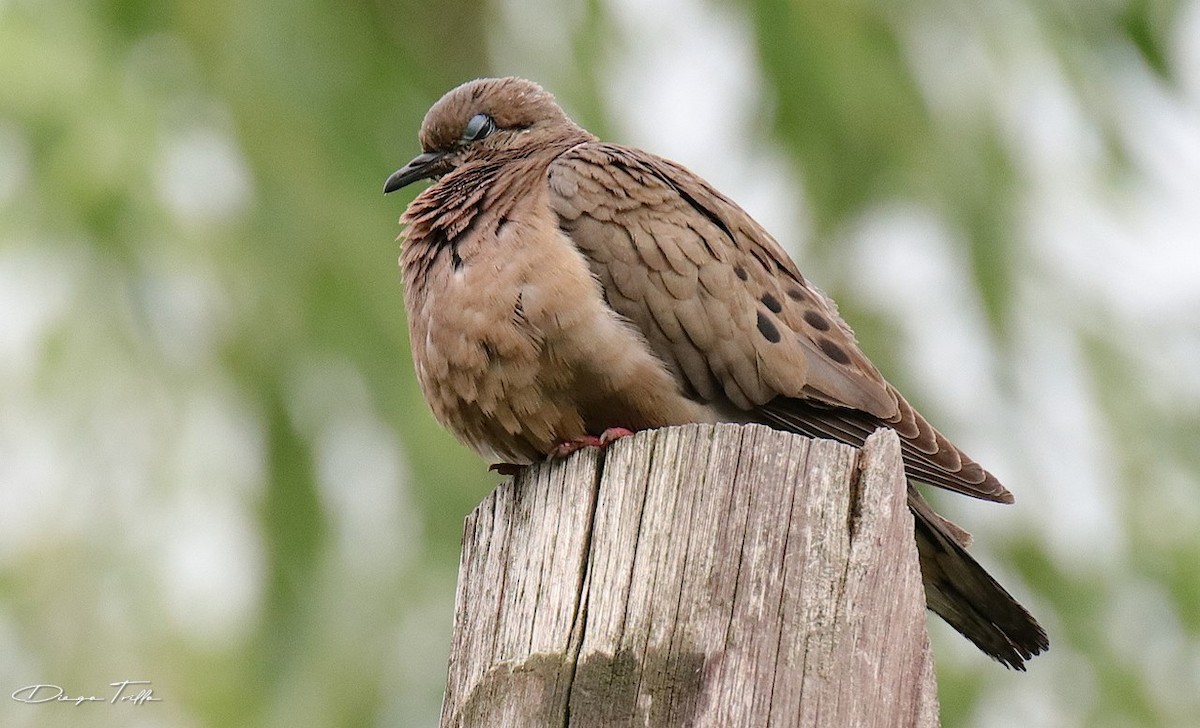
pixel 216 471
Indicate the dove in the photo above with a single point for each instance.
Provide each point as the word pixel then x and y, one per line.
pixel 562 292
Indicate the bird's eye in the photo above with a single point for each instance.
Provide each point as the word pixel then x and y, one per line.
pixel 478 127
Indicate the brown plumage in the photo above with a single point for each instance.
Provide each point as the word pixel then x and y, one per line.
pixel 558 286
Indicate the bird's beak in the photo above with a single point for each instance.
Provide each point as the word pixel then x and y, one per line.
pixel 422 166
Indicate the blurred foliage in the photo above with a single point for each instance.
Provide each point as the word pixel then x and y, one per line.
pixel 205 371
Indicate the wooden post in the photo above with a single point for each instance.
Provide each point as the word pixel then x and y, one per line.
pixel 726 575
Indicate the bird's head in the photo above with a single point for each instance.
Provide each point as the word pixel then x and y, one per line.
pixel 488 118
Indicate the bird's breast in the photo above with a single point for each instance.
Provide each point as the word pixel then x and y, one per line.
pixel 516 350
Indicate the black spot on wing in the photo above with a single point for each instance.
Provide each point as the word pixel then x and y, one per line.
pixel 834 351
pixel 767 328
pixel 816 320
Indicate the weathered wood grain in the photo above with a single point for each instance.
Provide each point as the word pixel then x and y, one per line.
pixel 726 575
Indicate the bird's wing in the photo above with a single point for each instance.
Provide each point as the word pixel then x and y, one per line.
pixel 725 307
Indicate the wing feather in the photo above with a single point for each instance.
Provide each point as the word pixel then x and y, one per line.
pixel 727 310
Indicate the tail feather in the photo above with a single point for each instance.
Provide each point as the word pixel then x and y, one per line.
pixel 959 591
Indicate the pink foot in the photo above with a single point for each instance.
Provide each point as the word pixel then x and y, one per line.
pixel 608 437
pixel 566 447
pixel 613 434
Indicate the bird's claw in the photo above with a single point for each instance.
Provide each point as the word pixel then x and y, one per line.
pixel 606 438
pixel 568 447
pixel 613 434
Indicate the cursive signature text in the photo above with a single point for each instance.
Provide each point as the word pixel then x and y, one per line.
pixel 136 692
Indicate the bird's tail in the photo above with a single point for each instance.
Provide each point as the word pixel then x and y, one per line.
pixel 959 591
